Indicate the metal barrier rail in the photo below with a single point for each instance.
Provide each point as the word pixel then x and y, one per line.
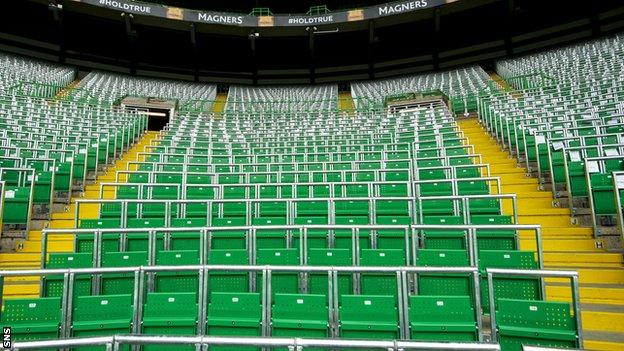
pixel 291 209
pixel 411 232
pixel 406 282
pixel 113 343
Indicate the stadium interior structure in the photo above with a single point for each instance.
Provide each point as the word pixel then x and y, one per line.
pixel 377 177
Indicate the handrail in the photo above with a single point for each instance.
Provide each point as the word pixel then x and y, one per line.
pixel 114 342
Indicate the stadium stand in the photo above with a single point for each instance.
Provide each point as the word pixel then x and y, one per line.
pixel 282 217
pixel 282 99
pixel 462 87
pixel 107 88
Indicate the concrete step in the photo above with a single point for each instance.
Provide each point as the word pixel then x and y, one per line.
pixel 545 220
pixel 598 317
pixel 520 189
pixel 567 231
pixel 593 294
pixel 592 275
pixel 506 169
pixel 602 340
pixel 561 245
pixel 16 260
pixel 63 223
pixel 34 246
pixel 538 202
pixel 576 259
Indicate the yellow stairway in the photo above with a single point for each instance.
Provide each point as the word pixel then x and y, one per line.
pixel 219 104
pixel 566 246
pixel 345 102
pixel 28 253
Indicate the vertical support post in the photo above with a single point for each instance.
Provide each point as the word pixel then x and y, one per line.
pixel 577 309
pixel 476 286
pixel 494 327
pixel 67 304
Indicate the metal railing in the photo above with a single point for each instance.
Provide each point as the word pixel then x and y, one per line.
pixel 411 238
pixel 406 283
pixel 113 343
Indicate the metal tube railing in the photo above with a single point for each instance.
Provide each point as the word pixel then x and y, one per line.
pixel 114 343
pixel 204 271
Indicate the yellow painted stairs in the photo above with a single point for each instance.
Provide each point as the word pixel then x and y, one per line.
pixel 565 245
pixel 219 104
pixel 28 253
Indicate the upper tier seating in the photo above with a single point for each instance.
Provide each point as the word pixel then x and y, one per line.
pixel 462 86
pixel 282 99
pixel 20 76
pixel 107 88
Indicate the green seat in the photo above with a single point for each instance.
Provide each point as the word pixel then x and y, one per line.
pixel 317 238
pixel 392 208
pixel 139 241
pixel 381 283
pixel 495 239
pixel 393 238
pixel 16 209
pixel 539 323
pixel 368 317
pixel 177 281
pixel 509 287
pixel 102 315
pixel 235 281
pixel 442 318
pixel 186 240
pixel 318 282
pixel 32 318
pixel 53 285
pixel 228 239
pixel 281 282
pixel 110 241
pixel 603 194
pixel 234 315
pixel 443 284
pixel 447 239
pixel 270 238
pixel 121 283
pixel 171 314
pixel 343 238
pixel 300 315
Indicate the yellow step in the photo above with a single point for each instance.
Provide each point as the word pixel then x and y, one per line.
pixel 558 244
pixel 63 223
pixel 595 295
pixel 599 345
pixel 545 220
pixel 34 246
pixel 21 291
pixel 603 321
pixel 19 259
pixel 590 275
pixel 519 189
pixel 61 216
pixel 567 231
pixel 583 258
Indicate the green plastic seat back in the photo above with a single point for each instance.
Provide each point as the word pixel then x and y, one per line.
pixel 103 308
pixel 32 311
pixel 170 305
